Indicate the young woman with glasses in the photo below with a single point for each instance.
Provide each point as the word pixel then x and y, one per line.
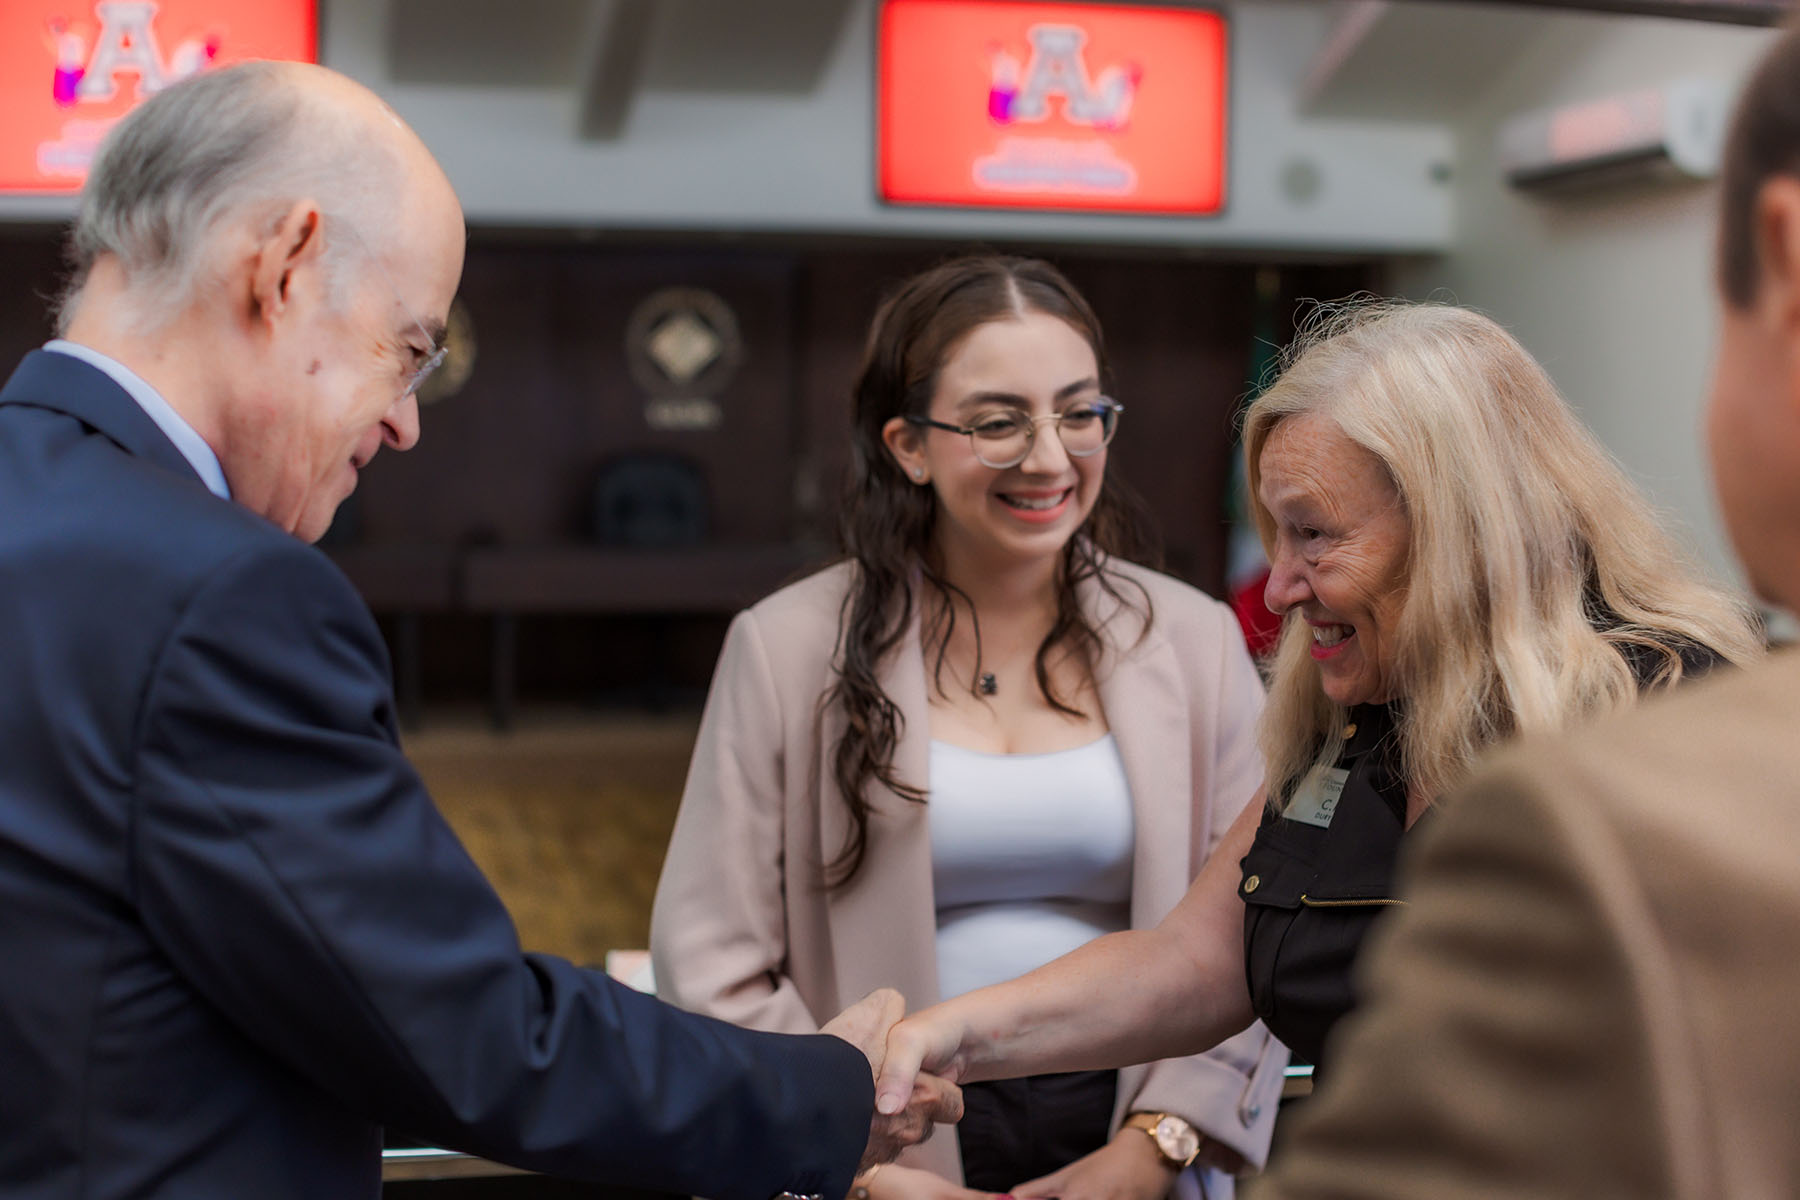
pixel 981 739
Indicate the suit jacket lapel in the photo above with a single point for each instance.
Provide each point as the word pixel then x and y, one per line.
pixel 65 384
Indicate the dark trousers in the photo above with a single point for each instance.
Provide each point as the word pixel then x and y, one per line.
pixel 1014 1130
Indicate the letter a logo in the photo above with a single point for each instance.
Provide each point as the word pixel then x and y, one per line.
pixel 127 42
pixel 1057 68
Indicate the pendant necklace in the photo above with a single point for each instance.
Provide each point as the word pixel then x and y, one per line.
pixel 988 684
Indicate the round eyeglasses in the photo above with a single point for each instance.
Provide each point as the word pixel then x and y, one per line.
pixel 1002 438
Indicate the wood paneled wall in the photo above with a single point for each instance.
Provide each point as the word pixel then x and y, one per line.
pixel 512 458
pixel 510 462
pixel 31 276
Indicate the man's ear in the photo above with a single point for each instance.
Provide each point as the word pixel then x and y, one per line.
pixel 901 437
pixel 1777 304
pixel 295 241
pixel 1778 248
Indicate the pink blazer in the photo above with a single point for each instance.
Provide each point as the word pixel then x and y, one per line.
pixel 744 929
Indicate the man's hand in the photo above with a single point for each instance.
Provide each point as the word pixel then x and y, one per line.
pixel 927 1099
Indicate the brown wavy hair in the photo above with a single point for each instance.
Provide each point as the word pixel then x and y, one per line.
pixel 887 520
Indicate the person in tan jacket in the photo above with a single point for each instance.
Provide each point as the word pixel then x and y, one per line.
pixel 1593 992
pixel 1041 741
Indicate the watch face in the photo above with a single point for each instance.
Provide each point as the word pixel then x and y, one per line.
pixel 1177 1139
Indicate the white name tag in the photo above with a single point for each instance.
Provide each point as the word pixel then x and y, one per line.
pixel 1315 800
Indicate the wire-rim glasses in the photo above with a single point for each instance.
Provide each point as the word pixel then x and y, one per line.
pixel 439 352
pixel 1003 438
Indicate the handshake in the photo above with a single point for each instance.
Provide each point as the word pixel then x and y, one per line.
pixel 909 1100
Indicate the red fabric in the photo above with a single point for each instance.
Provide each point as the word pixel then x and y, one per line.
pixel 1262 628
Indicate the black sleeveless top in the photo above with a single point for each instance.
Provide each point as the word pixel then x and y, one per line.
pixel 1314 887
pixel 1311 893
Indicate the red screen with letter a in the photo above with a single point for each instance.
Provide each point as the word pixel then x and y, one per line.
pixel 1092 107
pixel 69 69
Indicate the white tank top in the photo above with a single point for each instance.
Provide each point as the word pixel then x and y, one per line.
pixel 1030 857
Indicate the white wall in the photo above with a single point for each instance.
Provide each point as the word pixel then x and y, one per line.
pixel 805 162
pixel 801 160
pixel 1612 293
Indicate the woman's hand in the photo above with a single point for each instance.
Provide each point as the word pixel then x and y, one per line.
pixel 894 1182
pixel 866 1025
pixel 1126 1168
pixel 928 1041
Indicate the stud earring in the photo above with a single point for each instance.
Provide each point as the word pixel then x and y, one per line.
pixel 919 473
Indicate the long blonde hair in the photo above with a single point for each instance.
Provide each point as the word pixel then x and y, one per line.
pixel 1532 562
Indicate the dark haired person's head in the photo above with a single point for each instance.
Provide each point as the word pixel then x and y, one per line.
pixel 979 447
pixel 1763 145
pixel 1753 421
pixel 967 339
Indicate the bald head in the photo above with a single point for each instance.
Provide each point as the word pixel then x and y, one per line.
pixel 226 153
pixel 241 248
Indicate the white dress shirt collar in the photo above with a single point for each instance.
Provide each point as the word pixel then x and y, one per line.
pixel 193 447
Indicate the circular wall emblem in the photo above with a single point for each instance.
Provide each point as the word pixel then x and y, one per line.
pixel 683 341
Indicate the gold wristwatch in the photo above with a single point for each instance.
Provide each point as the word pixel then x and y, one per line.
pixel 1177 1141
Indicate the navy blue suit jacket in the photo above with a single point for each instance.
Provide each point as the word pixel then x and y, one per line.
pixel 236 936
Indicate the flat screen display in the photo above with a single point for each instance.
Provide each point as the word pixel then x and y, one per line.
pixel 69 69
pixel 1086 107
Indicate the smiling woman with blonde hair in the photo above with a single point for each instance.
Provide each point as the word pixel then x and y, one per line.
pixel 1457 561
pixel 1539 585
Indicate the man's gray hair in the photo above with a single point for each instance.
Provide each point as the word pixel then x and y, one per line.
pixel 230 147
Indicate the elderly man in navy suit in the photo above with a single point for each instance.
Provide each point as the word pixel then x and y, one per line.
pixel 235 935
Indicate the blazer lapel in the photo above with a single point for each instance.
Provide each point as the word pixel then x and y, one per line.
pixel 1141 692
pixel 65 384
pixel 883 925
pixel 893 891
